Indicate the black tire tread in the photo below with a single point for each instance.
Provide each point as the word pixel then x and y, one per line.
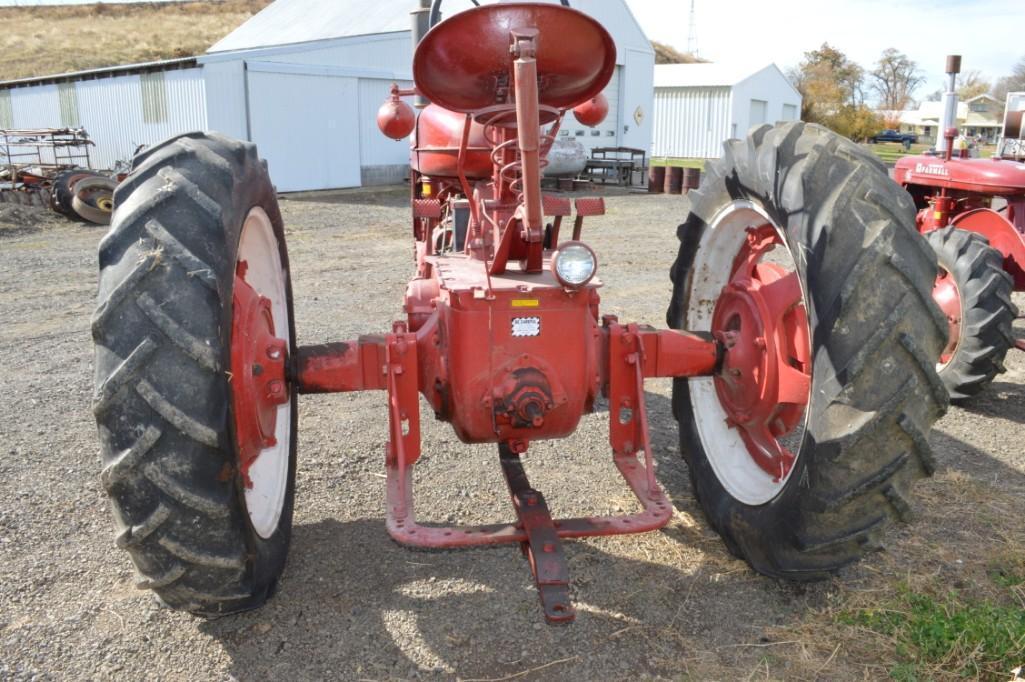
pixel 869 276
pixel 168 463
pixel 987 311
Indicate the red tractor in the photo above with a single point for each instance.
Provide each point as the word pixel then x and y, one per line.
pixel 972 212
pixel 803 339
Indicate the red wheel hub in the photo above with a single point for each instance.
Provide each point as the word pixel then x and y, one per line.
pixel 948 298
pixel 258 379
pixel 765 378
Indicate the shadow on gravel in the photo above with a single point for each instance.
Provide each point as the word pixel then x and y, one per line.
pixel 355 605
pixel 1000 399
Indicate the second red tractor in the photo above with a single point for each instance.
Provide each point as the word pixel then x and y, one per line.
pixel 972 212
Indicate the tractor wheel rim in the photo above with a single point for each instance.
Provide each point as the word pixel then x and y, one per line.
pixel 750 414
pixel 948 298
pixel 261 399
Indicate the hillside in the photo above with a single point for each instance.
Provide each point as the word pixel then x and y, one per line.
pixel 37 41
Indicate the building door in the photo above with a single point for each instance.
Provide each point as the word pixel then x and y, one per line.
pixel 305 125
pixel 637 89
pixel 759 112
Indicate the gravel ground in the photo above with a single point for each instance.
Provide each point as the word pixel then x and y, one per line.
pixel 353 604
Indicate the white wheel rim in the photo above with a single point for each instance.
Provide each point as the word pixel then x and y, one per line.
pixel 726 451
pixel 268 473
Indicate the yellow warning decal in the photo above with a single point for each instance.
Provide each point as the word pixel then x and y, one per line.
pixel 526 302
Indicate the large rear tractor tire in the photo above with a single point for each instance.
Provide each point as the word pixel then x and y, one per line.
pixel 193 332
pixel 974 292
pixel 801 256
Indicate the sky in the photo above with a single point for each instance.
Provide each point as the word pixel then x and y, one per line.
pixel 987 33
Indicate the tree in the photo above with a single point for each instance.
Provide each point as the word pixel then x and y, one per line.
pixel 971 84
pixel 1012 83
pixel 895 79
pixel 833 94
pixel 664 54
pixel 934 96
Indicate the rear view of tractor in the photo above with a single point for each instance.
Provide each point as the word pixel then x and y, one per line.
pixel 972 212
pixel 803 338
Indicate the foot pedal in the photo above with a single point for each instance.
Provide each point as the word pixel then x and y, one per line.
pixel 543 546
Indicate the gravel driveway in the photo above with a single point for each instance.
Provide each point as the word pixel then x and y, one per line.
pixel 352 603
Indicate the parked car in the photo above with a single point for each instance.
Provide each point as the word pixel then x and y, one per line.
pixel 890 135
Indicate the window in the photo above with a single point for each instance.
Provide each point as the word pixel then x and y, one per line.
pixel 6 113
pixel 789 112
pixel 154 97
pixel 979 107
pixel 68 97
pixel 759 112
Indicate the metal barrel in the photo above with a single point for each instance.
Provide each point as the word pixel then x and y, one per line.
pixel 691 178
pixel 656 179
pixel 674 180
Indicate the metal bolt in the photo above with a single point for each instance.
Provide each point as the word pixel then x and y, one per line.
pixel 760 343
pixel 275 388
pixel 274 352
pixel 257 369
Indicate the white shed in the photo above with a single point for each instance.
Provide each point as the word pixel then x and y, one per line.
pixel 698 106
pixel 120 107
pixel 304 78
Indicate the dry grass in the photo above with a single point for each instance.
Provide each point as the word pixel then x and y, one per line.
pixel 38 41
pixel 927 609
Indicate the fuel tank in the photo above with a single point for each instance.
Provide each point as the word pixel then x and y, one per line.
pixel 435 149
pixel 998 177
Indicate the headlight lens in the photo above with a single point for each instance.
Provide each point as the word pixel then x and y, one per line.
pixel 574 264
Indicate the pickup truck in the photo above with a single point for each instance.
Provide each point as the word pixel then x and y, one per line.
pixel 890 135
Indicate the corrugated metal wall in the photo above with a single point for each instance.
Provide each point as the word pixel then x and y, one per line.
pixel 691 122
pixel 119 113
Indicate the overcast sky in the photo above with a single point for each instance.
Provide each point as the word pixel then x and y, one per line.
pixel 987 33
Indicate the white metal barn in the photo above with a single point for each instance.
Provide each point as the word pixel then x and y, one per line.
pixel 698 106
pixel 120 107
pixel 303 80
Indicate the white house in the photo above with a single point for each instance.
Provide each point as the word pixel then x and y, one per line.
pixel 979 116
pixel 698 106
pixel 304 78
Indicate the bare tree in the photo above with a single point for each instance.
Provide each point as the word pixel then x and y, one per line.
pixel 1013 83
pixel 895 79
pixel 971 84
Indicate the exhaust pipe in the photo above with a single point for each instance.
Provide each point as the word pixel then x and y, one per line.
pixel 421 23
pixel 949 119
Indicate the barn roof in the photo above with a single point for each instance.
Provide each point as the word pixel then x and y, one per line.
pixel 288 22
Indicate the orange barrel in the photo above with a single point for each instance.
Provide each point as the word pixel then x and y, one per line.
pixel 674 180
pixel 656 179
pixel 691 178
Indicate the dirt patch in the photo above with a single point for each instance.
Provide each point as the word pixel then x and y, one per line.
pixel 17 220
pixel 354 605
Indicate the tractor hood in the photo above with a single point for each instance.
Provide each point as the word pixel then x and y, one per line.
pixel 987 176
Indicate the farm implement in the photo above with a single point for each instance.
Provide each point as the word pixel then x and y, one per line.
pixel 802 335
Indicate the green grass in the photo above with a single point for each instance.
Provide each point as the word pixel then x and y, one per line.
pixel 890 152
pixel 974 639
pixel 678 163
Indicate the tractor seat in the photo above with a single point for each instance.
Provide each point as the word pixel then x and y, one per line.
pixel 463 62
